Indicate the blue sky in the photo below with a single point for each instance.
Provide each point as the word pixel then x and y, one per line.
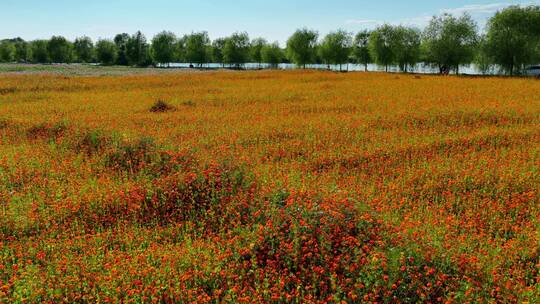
pixel 274 20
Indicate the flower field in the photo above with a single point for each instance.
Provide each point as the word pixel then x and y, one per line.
pixel 269 187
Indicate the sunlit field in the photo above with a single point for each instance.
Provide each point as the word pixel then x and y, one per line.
pixel 269 187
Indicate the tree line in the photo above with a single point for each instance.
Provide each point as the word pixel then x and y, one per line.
pixel 510 42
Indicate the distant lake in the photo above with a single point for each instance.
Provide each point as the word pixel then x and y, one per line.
pixel 419 68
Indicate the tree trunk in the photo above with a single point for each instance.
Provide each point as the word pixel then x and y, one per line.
pixel 365 67
pixel 512 69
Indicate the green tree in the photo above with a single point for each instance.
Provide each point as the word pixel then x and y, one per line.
pixel 256 50
pixel 301 47
pixel 84 49
pixel 196 48
pixel 39 51
pixel 138 50
pixel 272 54
pixel 450 41
pixel 217 50
pixel 482 60
pixel 121 41
pixel 361 50
pixel 513 35
pixel 336 48
pixel 180 49
pixel 106 52
pixel 7 51
pixel 163 47
pixel 381 45
pixel 22 50
pixel 406 47
pixel 236 49
pixel 60 50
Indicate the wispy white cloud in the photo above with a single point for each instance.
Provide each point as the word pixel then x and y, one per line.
pixel 479 12
pixel 474 9
pixel 363 21
pixel 419 21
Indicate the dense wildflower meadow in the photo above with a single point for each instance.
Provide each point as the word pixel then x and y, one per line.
pixel 269 187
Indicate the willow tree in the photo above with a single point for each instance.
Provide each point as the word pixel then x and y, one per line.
pixel 360 49
pixel 197 48
pixel 513 37
pixel 450 41
pixel 336 48
pixel 236 49
pixel 301 47
pixel 163 47
pixel 380 45
pixel 406 47
pixel 272 54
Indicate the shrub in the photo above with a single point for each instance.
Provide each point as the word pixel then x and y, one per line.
pixel 47 131
pixel 161 107
pixel 92 142
pixel 131 156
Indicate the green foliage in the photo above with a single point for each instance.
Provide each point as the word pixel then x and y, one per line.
pixel 128 156
pixel 138 50
pixel 336 47
pixel 163 47
pixel 7 51
pixel 60 50
pixel 360 49
pixel 450 41
pixel 217 50
pixel 39 51
pixel 121 41
pixel 256 49
pixel 84 49
pixel 406 46
pixel 161 106
pixel 180 49
pixel 511 42
pixel 482 60
pixel 22 50
pixel 236 49
pixel 196 48
pixel 513 36
pixel 272 54
pixel 301 47
pixel 380 45
pixel 106 52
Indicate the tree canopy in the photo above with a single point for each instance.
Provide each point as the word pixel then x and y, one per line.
pixel 84 49
pixel 301 47
pixel 256 49
pixel 236 49
pixel 381 45
pixel 360 49
pixel 272 54
pixel 336 47
pixel 59 50
pixel 450 41
pixel 513 37
pixel 217 50
pixel 196 48
pixel 121 41
pixel 406 47
pixel 163 47
pixel 138 50
pixel 106 52
pixel 7 51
